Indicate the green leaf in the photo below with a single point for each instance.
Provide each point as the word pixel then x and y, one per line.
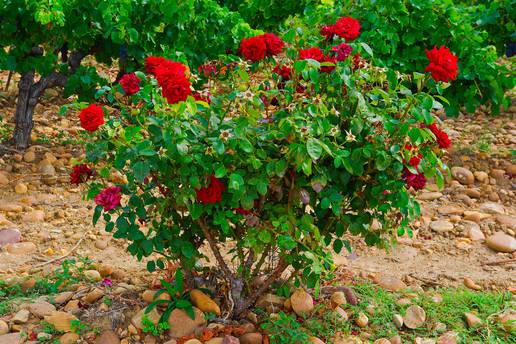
pixel 141 170
pixel 151 266
pixel 314 148
pixel 236 181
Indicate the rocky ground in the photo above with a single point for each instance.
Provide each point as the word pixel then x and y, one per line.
pixel 466 237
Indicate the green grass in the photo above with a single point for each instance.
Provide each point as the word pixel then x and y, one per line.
pixel 324 323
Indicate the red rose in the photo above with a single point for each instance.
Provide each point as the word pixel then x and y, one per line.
pixel 130 84
pixel 172 79
pixel 327 32
pixel 240 210
pixel 347 28
pixel 442 138
pixel 417 181
pixel 212 193
pixel 273 43
pixel 92 117
pixel 415 159
pixel 443 64
pixel 284 71
pixel 81 173
pixel 253 48
pixel 314 53
pixel 342 51
pixel 152 62
pixel 109 198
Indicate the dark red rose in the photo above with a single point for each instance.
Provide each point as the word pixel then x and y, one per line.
pixel 314 53
pixel 212 193
pixel 417 181
pixel 173 81
pixel 273 43
pixel 130 84
pixel 152 62
pixel 80 174
pixel 253 48
pixel 415 159
pixel 284 71
pixel 198 96
pixel 342 51
pixel 443 64
pixel 177 91
pixel 109 198
pixel 441 137
pixel 347 28
pixel 92 117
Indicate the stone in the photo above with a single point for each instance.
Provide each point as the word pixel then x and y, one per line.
pixel 390 283
pixel 21 188
pixel 463 175
pixel 501 242
pixel 9 236
pixel 4 179
pixel 420 340
pixel 473 231
pixel 230 340
pixel 492 208
pixel 362 320
pixel 204 302
pixel 21 317
pixel 29 156
pixel 61 321
pixel 472 320
pixel 93 275
pixel 441 226
pixel 148 296
pixel 10 207
pixel 415 316
pixel 93 295
pixel 302 302
pixel 450 210
pixel 473 193
pixel 498 174
pixel 193 341
pixel 108 337
pixel 315 340
pixel 101 244
pixel 395 340
pixel 216 340
pixel 382 341
pixel 182 325
pixel 338 298
pixel 41 308
pixel 342 313
pixel 481 176
pixel 506 220
pixel 153 316
pixel 448 338
pixel 20 248
pixel 62 297
pixel 508 321
pixel 11 338
pixel 429 196
pixel 69 338
pixel 469 283
pixel 4 327
pixel 398 320
pixel 270 300
pixel 251 338
pixel 152 340
pixel 475 216
pixel 71 306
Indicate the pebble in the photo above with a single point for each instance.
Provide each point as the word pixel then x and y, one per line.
pixel 469 283
pixel 395 340
pixel 338 298
pixel 390 283
pixel 11 338
pixel 182 325
pixel 21 317
pixel 475 216
pixel 508 321
pixel 315 340
pixel 441 226
pixel 34 216
pixel 362 320
pixel 501 242
pixel 506 220
pixel 251 338
pixel 61 320
pixel 93 275
pixel 415 316
pixel 93 295
pixel 473 231
pixel 472 320
pixel 193 341
pixel 492 208
pixel 463 175
pixel 69 338
pixel 481 176
pixel 4 327
pixel 62 297
pixel 230 340
pixel 153 316
pixel 9 236
pixel 41 308
pixel 148 296
pixel 342 313
pixel 108 337
pixel 21 188
pixel 302 302
pixel 448 338
pixel 398 320
pixel 429 196
pixel 450 210
pixel 101 244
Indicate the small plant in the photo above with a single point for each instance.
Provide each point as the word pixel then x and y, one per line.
pixel 77 326
pixel 49 328
pixel 284 329
pixel 107 301
pixel 154 329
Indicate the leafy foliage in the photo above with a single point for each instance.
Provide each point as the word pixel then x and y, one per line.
pixel 401 32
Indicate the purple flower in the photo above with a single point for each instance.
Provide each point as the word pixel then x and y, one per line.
pixel 109 198
pixel 342 50
pixel 106 282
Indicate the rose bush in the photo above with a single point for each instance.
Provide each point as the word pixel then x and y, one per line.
pixel 282 156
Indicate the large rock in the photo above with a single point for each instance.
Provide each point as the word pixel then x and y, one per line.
pixel 61 321
pixel 415 316
pixel 302 302
pixel 20 248
pixel 204 302
pixel 11 338
pixel 472 320
pixel 492 208
pixel 441 226
pixel 501 242
pixel 506 220
pixel 93 295
pixel 41 308
pixel 4 327
pixel 69 338
pixel 34 216
pixel 390 283
pixel 463 175
pixel 251 338
pixel 153 316
pixel 9 236
pixel 108 337
pixel 182 325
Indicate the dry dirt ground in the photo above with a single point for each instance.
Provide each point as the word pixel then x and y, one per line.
pixel 52 218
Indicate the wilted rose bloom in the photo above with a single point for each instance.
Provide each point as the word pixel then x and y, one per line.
pixel 80 174
pixel 109 198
